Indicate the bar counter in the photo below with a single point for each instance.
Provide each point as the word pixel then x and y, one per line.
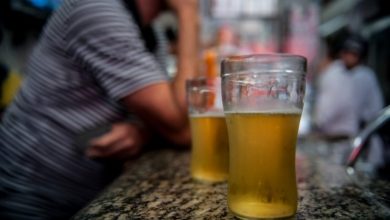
pixel 158 186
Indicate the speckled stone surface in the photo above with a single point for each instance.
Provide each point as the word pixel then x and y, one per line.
pixel 158 186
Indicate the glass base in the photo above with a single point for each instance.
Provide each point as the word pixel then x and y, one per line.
pixel 209 180
pixel 209 177
pixel 262 211
pixel 238 216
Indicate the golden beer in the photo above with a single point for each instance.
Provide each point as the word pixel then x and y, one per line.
pixel 210 149
pixel 262 164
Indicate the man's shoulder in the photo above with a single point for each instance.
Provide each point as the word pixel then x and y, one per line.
pixel 86 2
pixel 72 11
pixel 335 67
pixel 363 71
pixel 364 76
pixel 334 70
pixel 97 4
pixel 99 17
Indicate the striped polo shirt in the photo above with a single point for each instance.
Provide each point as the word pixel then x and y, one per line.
pixel 90 56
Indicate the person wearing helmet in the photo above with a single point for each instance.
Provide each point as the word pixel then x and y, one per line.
pixel 348 96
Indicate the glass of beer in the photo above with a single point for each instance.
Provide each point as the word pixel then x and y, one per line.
pixel 263 100
pixel 210 149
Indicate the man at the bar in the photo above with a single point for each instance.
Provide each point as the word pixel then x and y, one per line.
pixel 93 64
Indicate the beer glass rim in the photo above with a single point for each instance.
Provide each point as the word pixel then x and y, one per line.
pixel 260 57
pixel 264 63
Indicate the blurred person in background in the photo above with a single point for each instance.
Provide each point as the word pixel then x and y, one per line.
pixel 348 97
pixel 93 64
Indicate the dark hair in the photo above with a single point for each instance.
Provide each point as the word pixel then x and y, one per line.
pixel 147 32
pixel 356 44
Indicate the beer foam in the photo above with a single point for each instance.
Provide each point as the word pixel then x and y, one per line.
pixel 207 114
pixel 276 111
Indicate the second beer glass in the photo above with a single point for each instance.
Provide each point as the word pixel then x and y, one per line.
pixel 263 99
pixel 209 160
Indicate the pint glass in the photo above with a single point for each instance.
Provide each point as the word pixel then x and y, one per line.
pixel 209 156
pixel 263 100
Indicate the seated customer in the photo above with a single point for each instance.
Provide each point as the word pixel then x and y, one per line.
pixel 92 65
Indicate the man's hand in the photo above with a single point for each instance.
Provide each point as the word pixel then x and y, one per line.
pixel 122 142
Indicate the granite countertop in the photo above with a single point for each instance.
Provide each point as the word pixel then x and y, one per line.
pixel 158 186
